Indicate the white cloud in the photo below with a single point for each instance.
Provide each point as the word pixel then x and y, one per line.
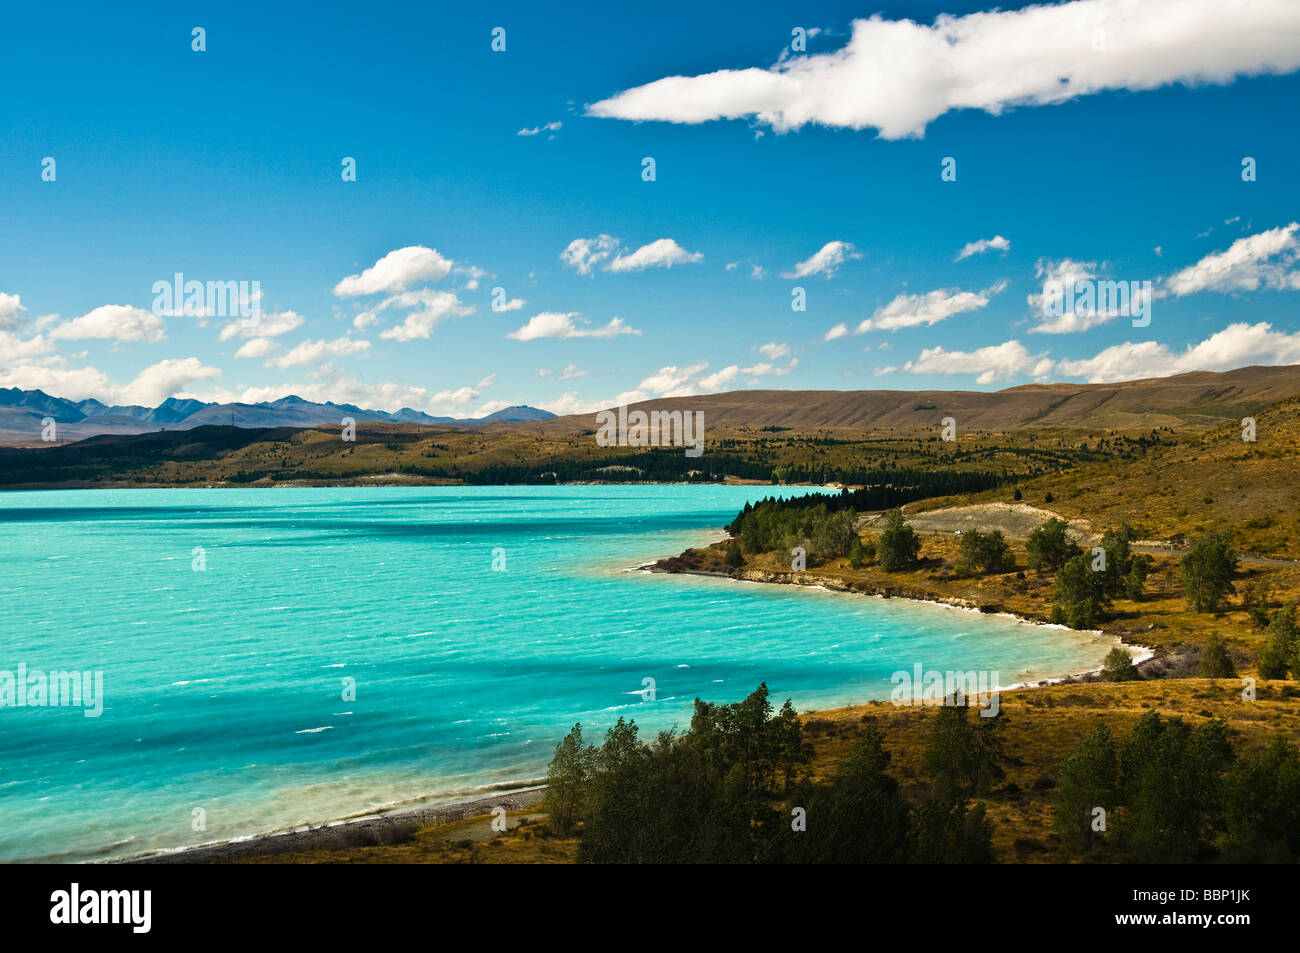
pixel 1268 259
pixel 909 311
pixel 267 326
pixel 996 243
pixel 255 347
pixel 663 253
pixel 756 272
pixel 431 308
pixel 996 362
pixel 462 396
pixel 397 270
pixel 715 382
pixel 549 127
pixel 558 324
pixel 10 308
pixel 165 379
pixel 150 387
pixel 583 254
pixel 773 351
pixel 13 348
pixel 571 372
pixel 309 351
pixel 673 381
pixel 514 304
pixel 897 76
pixel 1237 345
pixel 117 322
pixel 826 261
pixel 768 369
pixel 839 331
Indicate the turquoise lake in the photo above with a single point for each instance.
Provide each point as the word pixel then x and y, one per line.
pixel 224 688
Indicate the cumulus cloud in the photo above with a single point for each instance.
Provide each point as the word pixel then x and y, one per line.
pixel 997 362
pixel 583 254
pixel 561 324
pixel 1269 259
pixel 14 348
pixel 430 306
pixel 118 322
pixel 909 311
pixel 897 76
pixel 10 309
pixel 839 331
pixel 309 351
pixel 1237 345
pixel 397 270
pixel 255 347
pixel 996 243
pixel 150 387
pixel 663 253
pixel 267 326
pixel 715 382
pixel 826 261
pixel 774 351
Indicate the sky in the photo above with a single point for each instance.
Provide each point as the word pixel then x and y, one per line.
pixel 926 180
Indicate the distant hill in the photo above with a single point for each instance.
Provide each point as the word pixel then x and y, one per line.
pixel 1198 400
pixel 22 413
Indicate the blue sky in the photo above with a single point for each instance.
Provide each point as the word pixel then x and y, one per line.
pixel 225 165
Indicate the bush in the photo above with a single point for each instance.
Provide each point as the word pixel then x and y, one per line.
pixel 984 553
pixel 1215 662
pixel 1118 667
pixel 898 544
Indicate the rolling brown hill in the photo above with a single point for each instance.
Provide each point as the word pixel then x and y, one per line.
pixel 1197 400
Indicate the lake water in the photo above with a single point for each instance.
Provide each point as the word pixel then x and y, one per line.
pixel 224 689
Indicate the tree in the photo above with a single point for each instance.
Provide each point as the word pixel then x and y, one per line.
pixel 1208 569
pixel 1261 806
pixel 1171 786
pixel 946 830
pixel 964 758
pixel 1215 662
pixel 1139 571
pixel 1080 593
pixel 860 818
pixel 1118 667
pixel 984 553
pixel 898 545
pixel 566 782
pixel 1279 652
pixel 1089 775
pixel 1049 546
pixel 734 557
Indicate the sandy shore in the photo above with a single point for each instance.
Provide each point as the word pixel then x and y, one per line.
pixel 342 834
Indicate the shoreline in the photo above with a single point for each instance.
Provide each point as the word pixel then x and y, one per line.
pixel 344 833
pixel 834 584
pixel 340 834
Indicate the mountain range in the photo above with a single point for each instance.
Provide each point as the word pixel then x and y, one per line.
pixel 22 413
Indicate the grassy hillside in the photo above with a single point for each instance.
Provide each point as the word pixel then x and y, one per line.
pixel 1213 481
